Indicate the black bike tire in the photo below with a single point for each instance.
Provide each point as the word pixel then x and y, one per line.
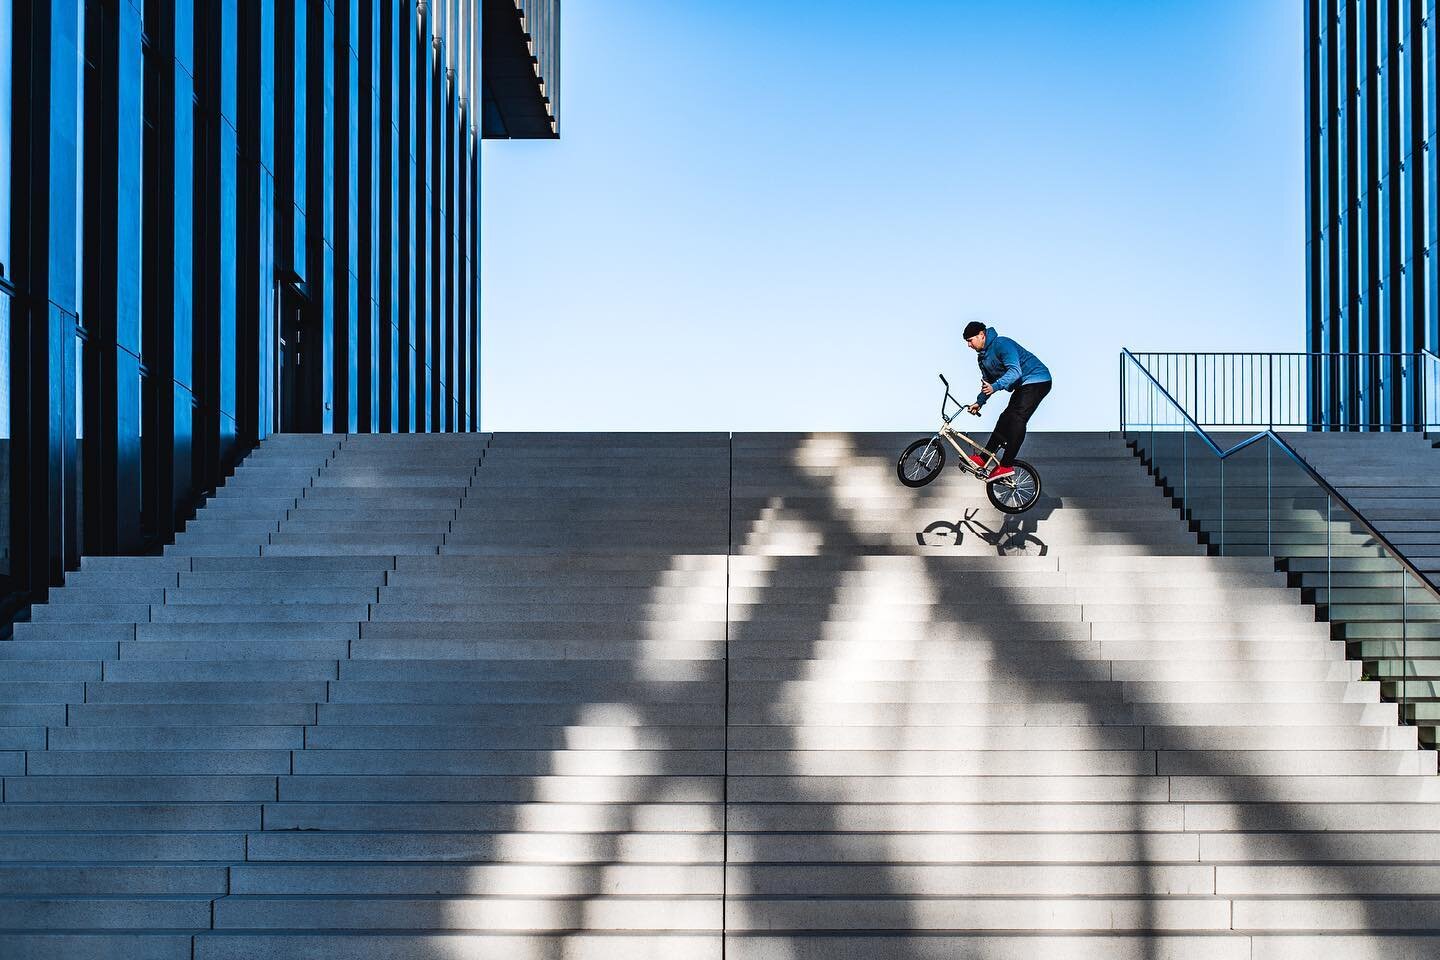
pixel 994 494
pixel 900 464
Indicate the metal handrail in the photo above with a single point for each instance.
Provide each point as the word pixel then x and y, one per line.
pixel 1299 461
pixel 1282 353
pixel 1380 390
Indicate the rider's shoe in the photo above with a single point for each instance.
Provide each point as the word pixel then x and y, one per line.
pixel 999 473
pixel 978 460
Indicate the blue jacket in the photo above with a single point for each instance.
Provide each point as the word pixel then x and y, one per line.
pixel 1005 365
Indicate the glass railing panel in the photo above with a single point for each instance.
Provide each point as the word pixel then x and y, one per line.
pixel 1167 454
pixel 1203 473
pixel 1298 507
pixel 1367 593
pixel 1257 499
pixel 1200 495
pixel 1244 520
pixel 1370 601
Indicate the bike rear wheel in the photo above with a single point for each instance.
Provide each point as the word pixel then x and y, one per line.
pixel 1017 492
pixel 921 462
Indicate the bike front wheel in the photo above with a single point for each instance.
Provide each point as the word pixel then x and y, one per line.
pixel 1017 492
pixel 921 462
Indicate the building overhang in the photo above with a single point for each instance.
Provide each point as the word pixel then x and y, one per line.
pixel 520 69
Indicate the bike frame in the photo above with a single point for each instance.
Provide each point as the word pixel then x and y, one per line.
pixel 955 438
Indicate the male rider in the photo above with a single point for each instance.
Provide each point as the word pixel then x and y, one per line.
pixel 1005 365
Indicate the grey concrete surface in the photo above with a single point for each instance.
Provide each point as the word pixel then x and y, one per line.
pixel 633 695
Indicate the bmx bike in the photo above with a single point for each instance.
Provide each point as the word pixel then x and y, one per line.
pixel 923 460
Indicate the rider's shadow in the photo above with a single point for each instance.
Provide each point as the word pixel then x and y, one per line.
pixel 1017 534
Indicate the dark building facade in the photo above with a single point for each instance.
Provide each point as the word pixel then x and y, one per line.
pixel 1372 265
pixel 226 218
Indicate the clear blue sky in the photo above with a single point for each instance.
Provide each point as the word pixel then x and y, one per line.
pixel 778 216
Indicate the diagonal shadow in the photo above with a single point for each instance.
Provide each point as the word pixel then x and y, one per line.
pixel 821 509
pixel 840 528
pixel 1304 842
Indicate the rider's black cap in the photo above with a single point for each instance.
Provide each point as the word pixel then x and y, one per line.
pixel 972 328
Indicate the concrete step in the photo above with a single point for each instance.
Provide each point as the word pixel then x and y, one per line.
pixel 453 788
pixel 501 880
pixel 552 650
pixel 99 847
pixel 630 917
pixel 544 818
pixel 203 714
pixel 481 692
pixel 1069 915
pixel 600 712
pixel 1010 665
pixel 167 880
pixel 107 595
pixel 653 670
pixel 225 649
pixel 251 596
pixel 141 738
pixel 161 671
pixel 385 548
pixel 93 946
pixel 145 763
pixel 397 528
pixel 1096 691
pixel 247 613
pixel 200 692
pixel 24 818
pixel 199 629
pixel 485 848
pixel 145 788
pixel 496 737
pixel 49 670
pixel 283 580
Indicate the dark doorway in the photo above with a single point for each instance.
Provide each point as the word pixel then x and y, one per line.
pixel 299 383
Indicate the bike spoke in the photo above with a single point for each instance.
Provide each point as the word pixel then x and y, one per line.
pixel 921 463
pixel 1018 491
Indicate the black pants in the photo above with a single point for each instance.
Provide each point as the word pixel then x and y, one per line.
pixel 1010 428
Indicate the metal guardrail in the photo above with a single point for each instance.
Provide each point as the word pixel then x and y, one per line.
pixel 1305 519
pixel 1316 391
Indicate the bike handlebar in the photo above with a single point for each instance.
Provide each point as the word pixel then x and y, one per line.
pixel 951 398
pixel 948 397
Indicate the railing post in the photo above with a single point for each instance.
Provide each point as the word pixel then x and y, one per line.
pixel 1222 506
pixel 1271 404
pixel 1422 390
pixel 1404 644
pixel 1122 395
pixel 1329 583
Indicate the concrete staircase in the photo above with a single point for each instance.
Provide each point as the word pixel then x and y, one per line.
pixel 652 696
